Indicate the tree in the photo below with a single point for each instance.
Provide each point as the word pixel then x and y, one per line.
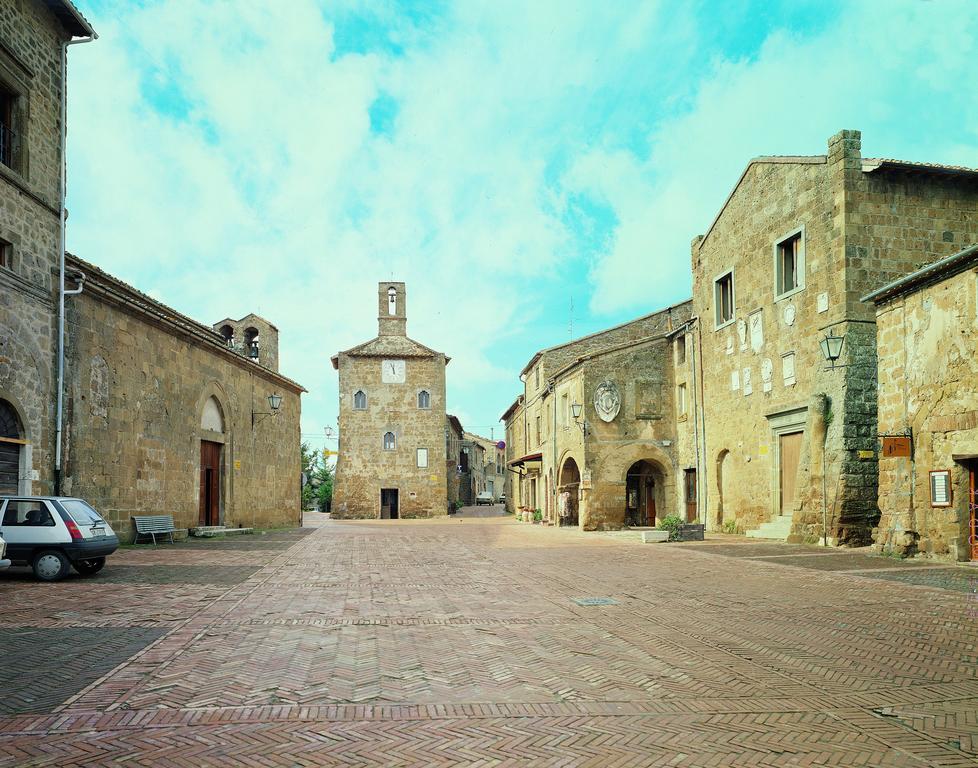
pixel 310 464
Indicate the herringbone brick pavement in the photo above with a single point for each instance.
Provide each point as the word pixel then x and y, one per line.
pixel 459 642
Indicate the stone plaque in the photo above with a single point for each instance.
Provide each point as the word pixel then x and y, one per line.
pixel 742 333
pixel 767 373
pixel 607 400
pixel 734 381
pixel 756 326
pixel 748 388
pixel 648 399
pixel 822 302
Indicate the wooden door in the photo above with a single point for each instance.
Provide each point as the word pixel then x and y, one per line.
pixel 789 454
pixel 210 483
pixel 689 479
pixel 650 501
pixel 973 511
pixel 9 468
pixel 388 504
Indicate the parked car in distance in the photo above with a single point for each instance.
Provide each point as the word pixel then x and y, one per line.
pixel 502 498
pixel 53 533
pixel 4 563
pixel 484 498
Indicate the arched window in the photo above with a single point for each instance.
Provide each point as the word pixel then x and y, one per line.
pixel 212 417
pixel 228 333
pixel 10 452
pixel 251 342
pixel 389 442
pixel 359 400
pixel 424 399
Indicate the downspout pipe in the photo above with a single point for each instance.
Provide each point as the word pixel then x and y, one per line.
pixel 62 215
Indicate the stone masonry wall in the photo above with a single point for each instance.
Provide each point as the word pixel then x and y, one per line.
pixel 133 430
pixel 928 385
pixel 363 466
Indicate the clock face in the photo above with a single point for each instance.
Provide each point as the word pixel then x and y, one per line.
pixel 392 371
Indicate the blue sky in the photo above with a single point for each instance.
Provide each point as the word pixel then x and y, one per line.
pixel 509 161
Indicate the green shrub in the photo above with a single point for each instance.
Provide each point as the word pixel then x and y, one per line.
pixel 730 526
pixel 671 523
pixel 537 515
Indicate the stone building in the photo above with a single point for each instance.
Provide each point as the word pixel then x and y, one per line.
pixel 472 477
pixel 162 417
pixel 252 336
pixel 392 449
pixel 927 338
pixel 512 419
pixel 33 61
pixel 790 443
pixel 454 434
pixel 595 436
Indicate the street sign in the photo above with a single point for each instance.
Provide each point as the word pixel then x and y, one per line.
pixel 327 453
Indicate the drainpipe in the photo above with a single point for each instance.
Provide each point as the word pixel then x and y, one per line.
pixel 700 479
pixel 62 187
pixel 706 453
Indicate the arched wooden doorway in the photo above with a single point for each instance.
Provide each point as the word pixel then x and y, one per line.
pixel 212 425
pixel 12 446
pixel 644 493
pixel 568 492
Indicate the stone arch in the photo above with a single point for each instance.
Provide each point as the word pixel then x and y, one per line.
pixel 607 505
pixel 213 447
pixel 14 448
pixel 723 483
pixel 568 491
pixel 645 493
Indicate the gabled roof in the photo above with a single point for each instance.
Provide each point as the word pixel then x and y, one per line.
pixel 388 346
pixel 932 273
pixel 70 17
pixel 516 404
pixel 456 424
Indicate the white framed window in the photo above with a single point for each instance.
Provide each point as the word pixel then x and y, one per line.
pixel 681 400
pixel 424 399
pixel 390 442
pixel 789 263
pixel 723 300
pixel 359 400
pixel 422 457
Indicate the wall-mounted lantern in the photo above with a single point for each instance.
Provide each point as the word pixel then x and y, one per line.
pixel 274 402
pixel 576 409
pixel 832 347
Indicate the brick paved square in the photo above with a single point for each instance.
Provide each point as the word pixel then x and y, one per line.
pixel 457 643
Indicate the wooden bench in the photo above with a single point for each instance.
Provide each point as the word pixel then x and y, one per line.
pixel 150 525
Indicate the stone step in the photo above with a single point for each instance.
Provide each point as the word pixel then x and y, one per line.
pixel 205 531
pixel 229 531
pixel 778 528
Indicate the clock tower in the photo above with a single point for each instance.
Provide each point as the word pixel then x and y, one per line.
pixel 392 449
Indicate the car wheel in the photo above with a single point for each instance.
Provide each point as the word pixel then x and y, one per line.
pixel 51 565
pixel 90 567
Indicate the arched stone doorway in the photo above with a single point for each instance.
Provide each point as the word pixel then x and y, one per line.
pixel 210 510
pixel 723 468
pixel 12 450
pixel 644 494
pixel 568 492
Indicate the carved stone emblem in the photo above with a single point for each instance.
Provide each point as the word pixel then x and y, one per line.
pixel 607 400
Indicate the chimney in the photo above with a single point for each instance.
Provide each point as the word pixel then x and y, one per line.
pixel 392 309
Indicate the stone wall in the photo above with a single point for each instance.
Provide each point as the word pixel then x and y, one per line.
pixel 363 466
pixel 928 387
pixel 30 64
pixel 137 389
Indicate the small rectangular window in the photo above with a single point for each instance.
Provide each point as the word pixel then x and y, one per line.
pixel 789 264
pixel 538 430
pixel 681 400
pixel 6 254
pixel 422 457
pixel 681 350
pixel 8 132
pixel 723 299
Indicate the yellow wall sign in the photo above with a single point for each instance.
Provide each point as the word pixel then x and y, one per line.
pixel 762 450
pixel 866 454
pixel 237 463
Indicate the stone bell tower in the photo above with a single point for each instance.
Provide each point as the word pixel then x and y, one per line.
pixel 392 309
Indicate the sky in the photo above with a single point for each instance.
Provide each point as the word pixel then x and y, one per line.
pixel 533 171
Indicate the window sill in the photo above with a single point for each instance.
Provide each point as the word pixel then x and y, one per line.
pixel 788 294
pixel 725 324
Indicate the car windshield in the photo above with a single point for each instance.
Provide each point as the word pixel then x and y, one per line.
pixel 80 512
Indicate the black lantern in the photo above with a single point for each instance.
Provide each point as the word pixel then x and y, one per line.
pixel 275 401
pixel 831 347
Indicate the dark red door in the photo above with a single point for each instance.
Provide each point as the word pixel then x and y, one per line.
pixel 973 511
pixel 210 483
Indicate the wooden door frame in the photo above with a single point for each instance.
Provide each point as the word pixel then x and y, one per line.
pixel 217 484
pixel 784 422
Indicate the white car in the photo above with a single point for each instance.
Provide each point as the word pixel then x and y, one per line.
pixel 485 498
pixel 52 533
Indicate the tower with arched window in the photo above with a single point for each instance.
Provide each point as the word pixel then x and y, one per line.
pixel 392 452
